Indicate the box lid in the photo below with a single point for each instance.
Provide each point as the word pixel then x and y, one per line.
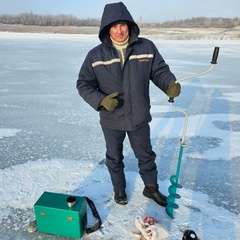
pixel 59 201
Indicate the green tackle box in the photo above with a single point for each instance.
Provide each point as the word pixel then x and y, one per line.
pixel 54 216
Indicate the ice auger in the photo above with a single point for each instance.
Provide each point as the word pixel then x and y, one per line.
pixel 174 179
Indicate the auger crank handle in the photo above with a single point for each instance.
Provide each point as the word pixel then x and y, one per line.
pixel 215 55
pixel 214 61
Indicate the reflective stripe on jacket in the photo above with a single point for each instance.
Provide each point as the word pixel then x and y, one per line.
pixel 101 74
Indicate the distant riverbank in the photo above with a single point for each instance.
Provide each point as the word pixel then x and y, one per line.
pixel 163 33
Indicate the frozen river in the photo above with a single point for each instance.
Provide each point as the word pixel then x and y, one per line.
pixel 43 118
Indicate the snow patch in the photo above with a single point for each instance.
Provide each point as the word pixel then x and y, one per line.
pixel 84 178
pixel 7 132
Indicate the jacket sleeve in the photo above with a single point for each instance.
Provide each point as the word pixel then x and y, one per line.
pixel 161 74
pixel 87 84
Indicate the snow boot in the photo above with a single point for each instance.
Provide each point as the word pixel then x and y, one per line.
pixel 120 197
pixel 151 191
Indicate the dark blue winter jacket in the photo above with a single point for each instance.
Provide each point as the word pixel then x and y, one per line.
pixel 101 74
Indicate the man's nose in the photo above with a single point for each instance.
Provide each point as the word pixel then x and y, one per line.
pixel 119 29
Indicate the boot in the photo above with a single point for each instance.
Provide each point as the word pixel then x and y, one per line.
pixel 120 197
pixel 151 191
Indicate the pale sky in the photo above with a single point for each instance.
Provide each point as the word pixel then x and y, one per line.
pixel 147 10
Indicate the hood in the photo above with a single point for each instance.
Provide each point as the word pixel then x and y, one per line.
pixel 115 12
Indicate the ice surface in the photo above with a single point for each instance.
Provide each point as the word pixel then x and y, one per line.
pixel 51 139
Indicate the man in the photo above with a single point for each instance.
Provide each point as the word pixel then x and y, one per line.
pixel 114 80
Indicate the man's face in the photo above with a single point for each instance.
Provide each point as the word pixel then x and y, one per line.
pixel 119 32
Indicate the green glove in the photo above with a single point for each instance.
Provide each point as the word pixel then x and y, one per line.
pixel 174 89
pixel 110 102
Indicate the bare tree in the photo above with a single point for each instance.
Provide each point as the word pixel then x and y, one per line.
pixel 70 20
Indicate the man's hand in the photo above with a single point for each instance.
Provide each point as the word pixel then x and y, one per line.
pixel 174 89
pixel 110 102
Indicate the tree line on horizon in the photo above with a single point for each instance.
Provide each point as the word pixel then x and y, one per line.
pixel 70 20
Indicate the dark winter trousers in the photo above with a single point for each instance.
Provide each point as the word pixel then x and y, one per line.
pixel 141 145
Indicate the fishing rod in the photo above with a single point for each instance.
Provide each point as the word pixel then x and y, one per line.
pixel 174 179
